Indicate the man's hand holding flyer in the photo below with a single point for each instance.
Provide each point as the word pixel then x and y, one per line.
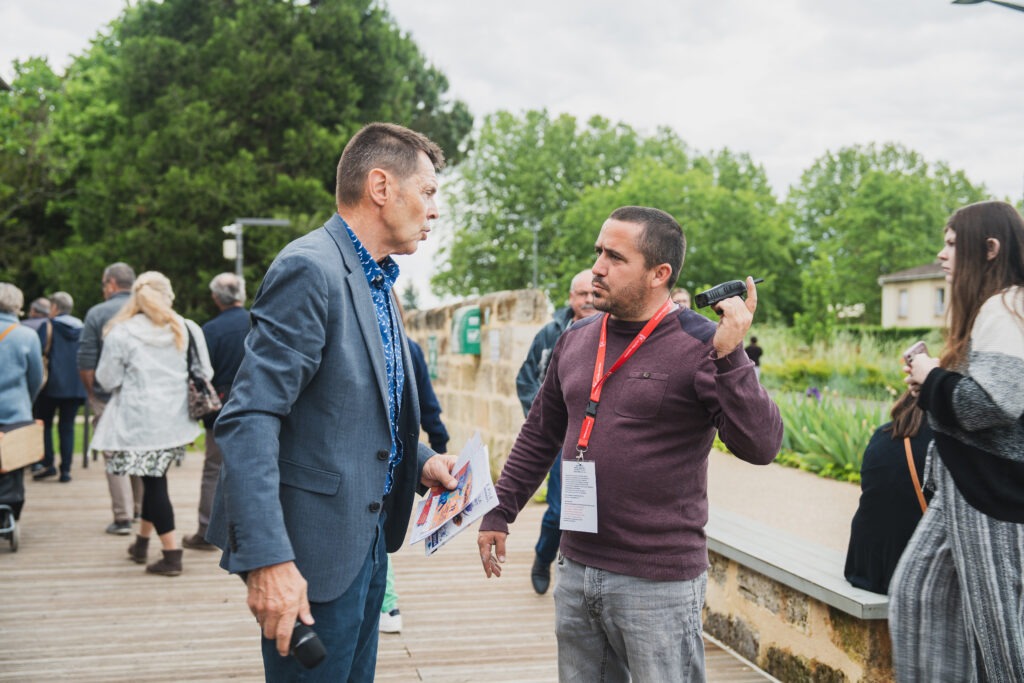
pixel 442 513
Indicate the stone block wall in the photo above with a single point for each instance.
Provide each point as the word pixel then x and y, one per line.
pixel 792 636
pixel 478 392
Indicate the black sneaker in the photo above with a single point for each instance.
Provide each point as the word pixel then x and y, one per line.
pixel 45 473
pixel 540 575
pixel 122 528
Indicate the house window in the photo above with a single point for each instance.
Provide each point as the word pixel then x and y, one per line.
pixel 904 306
pixel 940 301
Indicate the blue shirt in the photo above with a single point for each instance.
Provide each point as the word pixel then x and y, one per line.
pixel 381 278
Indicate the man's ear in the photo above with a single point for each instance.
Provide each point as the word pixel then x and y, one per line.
pixel 993 247
pixel 377 186
pixel 660 275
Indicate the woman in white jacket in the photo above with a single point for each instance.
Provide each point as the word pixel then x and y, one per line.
pixel 146 425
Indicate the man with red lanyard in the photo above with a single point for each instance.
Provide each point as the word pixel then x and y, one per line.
pixel 641 391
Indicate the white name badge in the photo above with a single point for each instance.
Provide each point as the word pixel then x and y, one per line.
pixel 579 496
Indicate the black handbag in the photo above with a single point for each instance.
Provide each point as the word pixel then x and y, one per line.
pixel 202 397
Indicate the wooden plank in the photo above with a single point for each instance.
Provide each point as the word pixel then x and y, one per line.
pixel 74 608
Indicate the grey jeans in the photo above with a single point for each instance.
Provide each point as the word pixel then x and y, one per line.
pixel 611 627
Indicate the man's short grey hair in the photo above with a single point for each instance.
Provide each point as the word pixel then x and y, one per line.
pixel 11 298
pixel 121 273
pixel 41 306
pixel 228 289
pixel 63 302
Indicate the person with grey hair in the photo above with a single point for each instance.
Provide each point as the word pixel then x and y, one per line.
pixel 21 376
pixel 38 313
pixel 225 339
pixel 117 280
pixel 322 427
pixel 63 394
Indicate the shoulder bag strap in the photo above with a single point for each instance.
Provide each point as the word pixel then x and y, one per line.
pixel 49 338
pixel 913 475
pixel 7 331
pixel 192 357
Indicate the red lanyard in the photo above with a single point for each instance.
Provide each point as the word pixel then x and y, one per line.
pixel 600 376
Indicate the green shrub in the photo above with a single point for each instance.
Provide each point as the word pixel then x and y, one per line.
pixel 828 436
pixel 854 362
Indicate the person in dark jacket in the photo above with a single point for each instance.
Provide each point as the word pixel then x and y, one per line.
pixel 63 394
pixel 889 509
pixel 437 437
pixel 225 339
pixel 528 381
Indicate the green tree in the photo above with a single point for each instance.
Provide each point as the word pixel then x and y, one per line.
pixel 564 179
pixel 187 113
pixel 520 177
pixel 873 210
pixel 733 224
pixel 27 180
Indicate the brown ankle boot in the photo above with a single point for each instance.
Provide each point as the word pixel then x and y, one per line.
pixel 170 565
pixel 137 551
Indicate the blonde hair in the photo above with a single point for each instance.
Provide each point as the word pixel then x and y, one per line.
pixel 153 297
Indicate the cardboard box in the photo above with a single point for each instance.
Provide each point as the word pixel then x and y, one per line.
pixel 21 447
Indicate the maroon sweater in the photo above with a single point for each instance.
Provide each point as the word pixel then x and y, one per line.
pixel 655 426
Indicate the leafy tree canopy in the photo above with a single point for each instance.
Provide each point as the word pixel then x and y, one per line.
pixel 27 178
pixel 563 179
pixel 867 211
pixel 188 113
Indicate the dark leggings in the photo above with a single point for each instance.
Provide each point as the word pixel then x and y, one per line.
pixel 156 504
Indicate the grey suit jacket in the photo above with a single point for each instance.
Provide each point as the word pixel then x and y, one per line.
pixel 305 432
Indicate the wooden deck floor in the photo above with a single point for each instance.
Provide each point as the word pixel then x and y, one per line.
pixel 73 608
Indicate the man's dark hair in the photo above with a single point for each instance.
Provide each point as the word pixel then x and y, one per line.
pixel 121 273
pixel 662 239
pixel 388 146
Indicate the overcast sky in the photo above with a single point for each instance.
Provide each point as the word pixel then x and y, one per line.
pixel 784 80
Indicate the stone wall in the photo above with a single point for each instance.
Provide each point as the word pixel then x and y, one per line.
pixel 478 392
pixel 792 636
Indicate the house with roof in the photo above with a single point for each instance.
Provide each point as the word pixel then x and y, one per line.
pixel 915 297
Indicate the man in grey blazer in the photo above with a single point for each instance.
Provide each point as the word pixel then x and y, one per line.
pixel 320 435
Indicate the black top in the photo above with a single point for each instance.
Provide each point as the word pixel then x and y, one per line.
pixel 888 511
pixel 430 408
pixel 754 353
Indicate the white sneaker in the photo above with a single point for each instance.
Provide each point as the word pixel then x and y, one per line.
pixel 391 622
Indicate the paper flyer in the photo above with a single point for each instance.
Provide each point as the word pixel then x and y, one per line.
pixel 442 513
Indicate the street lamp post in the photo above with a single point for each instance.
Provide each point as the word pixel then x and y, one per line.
pixel 1010 5
pixel 237 229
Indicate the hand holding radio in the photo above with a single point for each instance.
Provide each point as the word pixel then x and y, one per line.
pixel 736 313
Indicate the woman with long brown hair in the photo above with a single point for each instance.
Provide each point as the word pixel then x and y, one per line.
pixel 957 597
pixel 146 425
